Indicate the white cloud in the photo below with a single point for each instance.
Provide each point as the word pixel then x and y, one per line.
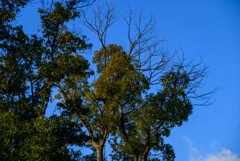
pixel 221 155
pixel 224 155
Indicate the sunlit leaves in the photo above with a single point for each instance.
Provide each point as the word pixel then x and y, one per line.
pixel 31 67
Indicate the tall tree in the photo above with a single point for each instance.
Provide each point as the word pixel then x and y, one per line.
pixel 120 103
pixel 122 98
pixel 30 69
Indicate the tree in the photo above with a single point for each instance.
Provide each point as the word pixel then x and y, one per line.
pixel 121 98
pixel 30 69
pixel 120 105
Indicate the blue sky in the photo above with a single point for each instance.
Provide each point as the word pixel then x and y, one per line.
pixel 206 28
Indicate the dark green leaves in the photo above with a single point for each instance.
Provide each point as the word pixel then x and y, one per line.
pixel 31 68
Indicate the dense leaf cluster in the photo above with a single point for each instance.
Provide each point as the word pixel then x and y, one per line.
pixel 31 67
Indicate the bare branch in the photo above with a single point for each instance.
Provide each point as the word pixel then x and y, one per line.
pixel 146 49
pixel 103 17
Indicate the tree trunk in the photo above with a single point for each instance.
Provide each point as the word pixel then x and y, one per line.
pixel 99 153
pixel 148 147
pixel 99 146
pixel 136 158
pixel 145 155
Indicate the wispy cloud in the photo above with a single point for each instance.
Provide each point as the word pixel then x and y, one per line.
pixel 221 155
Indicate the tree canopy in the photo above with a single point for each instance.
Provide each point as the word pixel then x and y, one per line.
pixel 31 67
pixel 119 106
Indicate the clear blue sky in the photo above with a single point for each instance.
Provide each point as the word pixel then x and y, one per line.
pixel 206 28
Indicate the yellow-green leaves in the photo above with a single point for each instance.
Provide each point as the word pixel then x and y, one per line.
pixel 101 57
pixel 118 80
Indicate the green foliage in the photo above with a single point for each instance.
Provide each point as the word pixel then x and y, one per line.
pixel 31 67
pixel 35 69
pixel 154 118
pixel 9 8
pixel 116 84
pixel 38 139
pixel 118 79
pixel 101 58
